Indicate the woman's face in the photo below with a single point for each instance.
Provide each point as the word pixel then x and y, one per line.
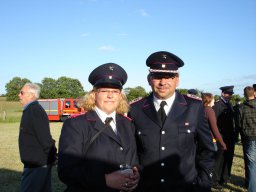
pixel 107 99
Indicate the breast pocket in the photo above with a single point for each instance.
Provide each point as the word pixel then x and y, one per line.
pixel 186 136
pixel 140 137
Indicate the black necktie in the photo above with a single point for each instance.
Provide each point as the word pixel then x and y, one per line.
pixel 161 111
pixel 108 120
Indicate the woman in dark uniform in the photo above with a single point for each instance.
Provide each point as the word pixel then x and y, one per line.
pixel 93 153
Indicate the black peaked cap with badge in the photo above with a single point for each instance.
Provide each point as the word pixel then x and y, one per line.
pixel 227 89
pixel 163 62
pixel 108 75
pixel 193 91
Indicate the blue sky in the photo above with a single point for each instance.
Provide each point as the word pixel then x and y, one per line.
pixel 216 39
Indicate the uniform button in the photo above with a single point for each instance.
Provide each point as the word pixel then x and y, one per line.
pixel 121 148
pixel 162 164
pixel 163 148
pixel 188 131
pixel 139 132
pixel 162 180
pixel 163 132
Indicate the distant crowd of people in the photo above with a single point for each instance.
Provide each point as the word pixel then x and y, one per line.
pixel 167 141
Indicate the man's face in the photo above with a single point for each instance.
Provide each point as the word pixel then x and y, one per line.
pixel 163 86
pixel 26 96
pixel 107 99
pixel 227 96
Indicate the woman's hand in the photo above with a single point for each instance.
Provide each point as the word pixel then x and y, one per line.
pixel 123 181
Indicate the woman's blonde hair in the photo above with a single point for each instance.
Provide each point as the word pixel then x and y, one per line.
pixel 207 98
pixel 88 102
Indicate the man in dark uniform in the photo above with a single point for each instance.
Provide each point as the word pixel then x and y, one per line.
pixel 92 156
pixel 175 146
pixel 225 121
pixel 193 93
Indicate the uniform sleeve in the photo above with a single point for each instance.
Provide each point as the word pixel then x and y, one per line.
pixel 73 169
pixel 205 156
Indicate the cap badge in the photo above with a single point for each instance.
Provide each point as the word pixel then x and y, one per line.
pixel 111 68
pixel 163 66
pixel 164 56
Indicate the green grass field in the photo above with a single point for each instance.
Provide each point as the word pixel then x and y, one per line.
pixel 11 167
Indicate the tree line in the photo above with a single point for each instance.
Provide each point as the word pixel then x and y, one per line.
pixel 65 87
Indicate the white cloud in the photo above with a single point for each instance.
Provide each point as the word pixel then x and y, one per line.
pixel 143 13
pixel 106 48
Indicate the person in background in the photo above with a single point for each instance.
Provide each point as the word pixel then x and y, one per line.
pixel 97 150
pixel 36 145
pixel 174 141
pixel 225 121
pixel 254 87
pixel 208 101
pixel 193 93
pixel 247 120
pixel 236 118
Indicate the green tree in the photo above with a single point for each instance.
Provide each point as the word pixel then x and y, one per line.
pixel 236 98
pixel 13 88
pixel 69 88
pixel 182 91
pixel 49 88
pixel 135 93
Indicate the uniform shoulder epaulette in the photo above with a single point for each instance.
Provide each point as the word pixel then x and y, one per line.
pixel 125 116
pixel 194 97
pixel 218 100
pixel 136 100
pixel 77 115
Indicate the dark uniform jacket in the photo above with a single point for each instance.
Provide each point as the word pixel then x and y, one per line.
pixel 178 156
pixel 225 121
pixel 82 172
pixel 37 148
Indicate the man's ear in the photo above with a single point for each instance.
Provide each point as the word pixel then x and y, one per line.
pixel 177 81
pixel 149 78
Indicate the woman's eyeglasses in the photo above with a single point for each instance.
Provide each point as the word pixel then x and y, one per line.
pixel 107 92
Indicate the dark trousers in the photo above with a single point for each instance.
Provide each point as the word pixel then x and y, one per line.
pixel 217 174
pixel 36 179
pixel 223 165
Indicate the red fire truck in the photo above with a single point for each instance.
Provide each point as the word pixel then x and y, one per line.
pixel 60 109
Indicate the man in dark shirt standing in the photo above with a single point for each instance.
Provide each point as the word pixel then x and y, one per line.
pixel 225 121
pixel 37 148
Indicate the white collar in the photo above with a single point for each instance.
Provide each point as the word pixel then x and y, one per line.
pixel 102 115
pixel 169 103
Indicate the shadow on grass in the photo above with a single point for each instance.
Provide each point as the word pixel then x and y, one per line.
pixel 10 181
pixel 236 184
